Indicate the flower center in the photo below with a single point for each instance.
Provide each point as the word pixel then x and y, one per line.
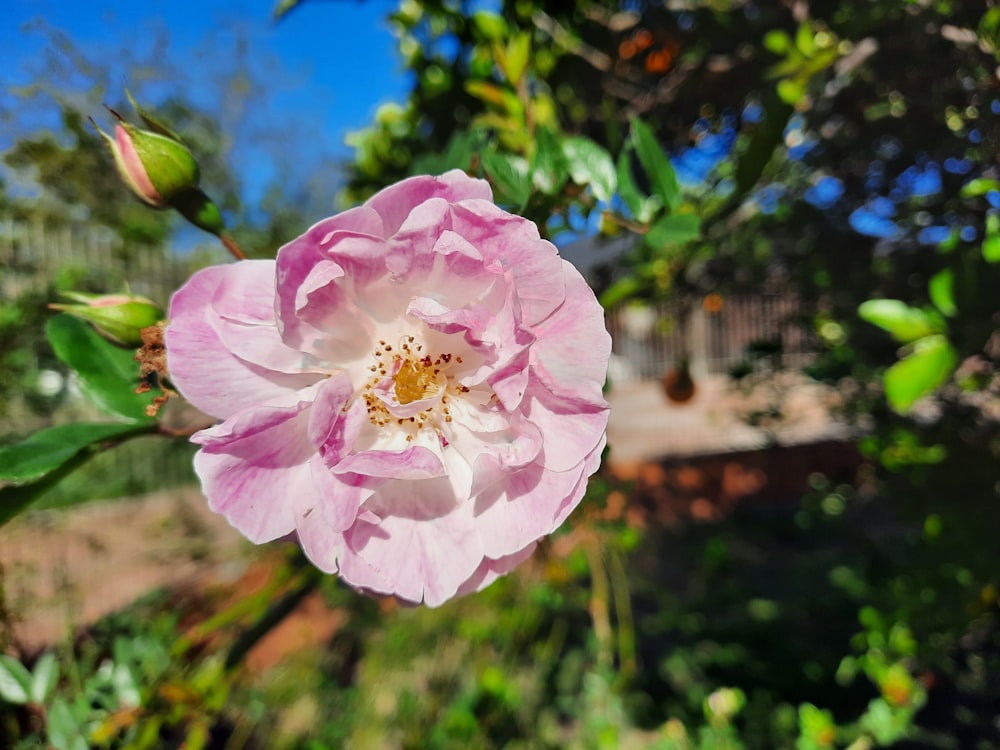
pixel 416 380
pixel 415 376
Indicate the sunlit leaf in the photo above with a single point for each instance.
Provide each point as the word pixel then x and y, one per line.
pixel 107 374
pixel 917 375
pixel 492 26
pixel 514 61
pixel 942 292
pixel 674 229
pixel 487 92
pixel 15 681
pixel 64 732
pixel 621 290
pixel 44 677
pixel 509 175
pixel 902 322
pixel 654 160
pixel 979 186
pixel 590 164
pixel 549 166
pixel 991 248
pixel 777 41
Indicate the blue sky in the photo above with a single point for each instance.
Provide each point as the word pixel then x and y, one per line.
pixel 328 65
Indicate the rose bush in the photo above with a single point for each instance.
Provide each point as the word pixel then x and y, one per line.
pixel 413 389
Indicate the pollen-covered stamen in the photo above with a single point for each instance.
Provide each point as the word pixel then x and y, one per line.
pixel 401 377
pixel 416 379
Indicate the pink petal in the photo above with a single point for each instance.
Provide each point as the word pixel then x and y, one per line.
pixel 204 370
pixel 526 506
pixel 573 346
pixel 395 203
pixel 569 432
pixel 514 243
pixel 410 557
pixel 490 570
pixel 253 477
pixel 415 462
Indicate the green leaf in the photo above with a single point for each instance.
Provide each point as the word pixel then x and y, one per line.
pixel 64 732
pixel 917 375
pixel 942 292
pixel 509 175
pixel 777 41
pixel 108 375
pixel 791 90
pixel 637 203
pixel 902 322
pixel 50 448
pixel 590 164
pixel 979 186
pixel 991 248
pixel 765 139
pixel 621 290
pixel 44 678
pixel 15 499
pixel 458 155
pixel 15 681
pixel 490 25
pixel 514 60
pixel 674 229
pixel 654 160
pixel 549 167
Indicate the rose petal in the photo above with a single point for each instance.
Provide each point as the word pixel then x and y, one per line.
pixel 208 374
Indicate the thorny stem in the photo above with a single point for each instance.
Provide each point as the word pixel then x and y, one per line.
pixel 232 247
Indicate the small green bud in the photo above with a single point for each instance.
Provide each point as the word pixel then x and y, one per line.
pixel 117 317
pixel 155 167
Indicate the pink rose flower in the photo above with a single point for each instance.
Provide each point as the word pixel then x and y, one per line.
pixel 413 389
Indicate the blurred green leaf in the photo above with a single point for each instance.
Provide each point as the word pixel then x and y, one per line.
pixel 509 175
pixel 549 166
pixel 991 248
pixel 108 374
pixel 514 60
pixel 639 205
pixel 50 448
pixel 620 291
pixel 902 322
pixel 44 678
pixel 941 289
pixel 490 25
pixel 989 30
pixel 791 90
pixel 979 186
pixel 15 681
pixel 777 41
pixel 674 229
pixel 918 374
pixel 654 160
pixel 590 164
pixel 768 135
pixel 64 732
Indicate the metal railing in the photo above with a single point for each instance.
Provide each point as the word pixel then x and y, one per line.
pixel 716 335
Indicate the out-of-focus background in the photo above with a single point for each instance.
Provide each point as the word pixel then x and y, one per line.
pixel 792 540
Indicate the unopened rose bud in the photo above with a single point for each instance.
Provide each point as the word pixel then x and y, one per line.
pixel 117 317
pixel 155 167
